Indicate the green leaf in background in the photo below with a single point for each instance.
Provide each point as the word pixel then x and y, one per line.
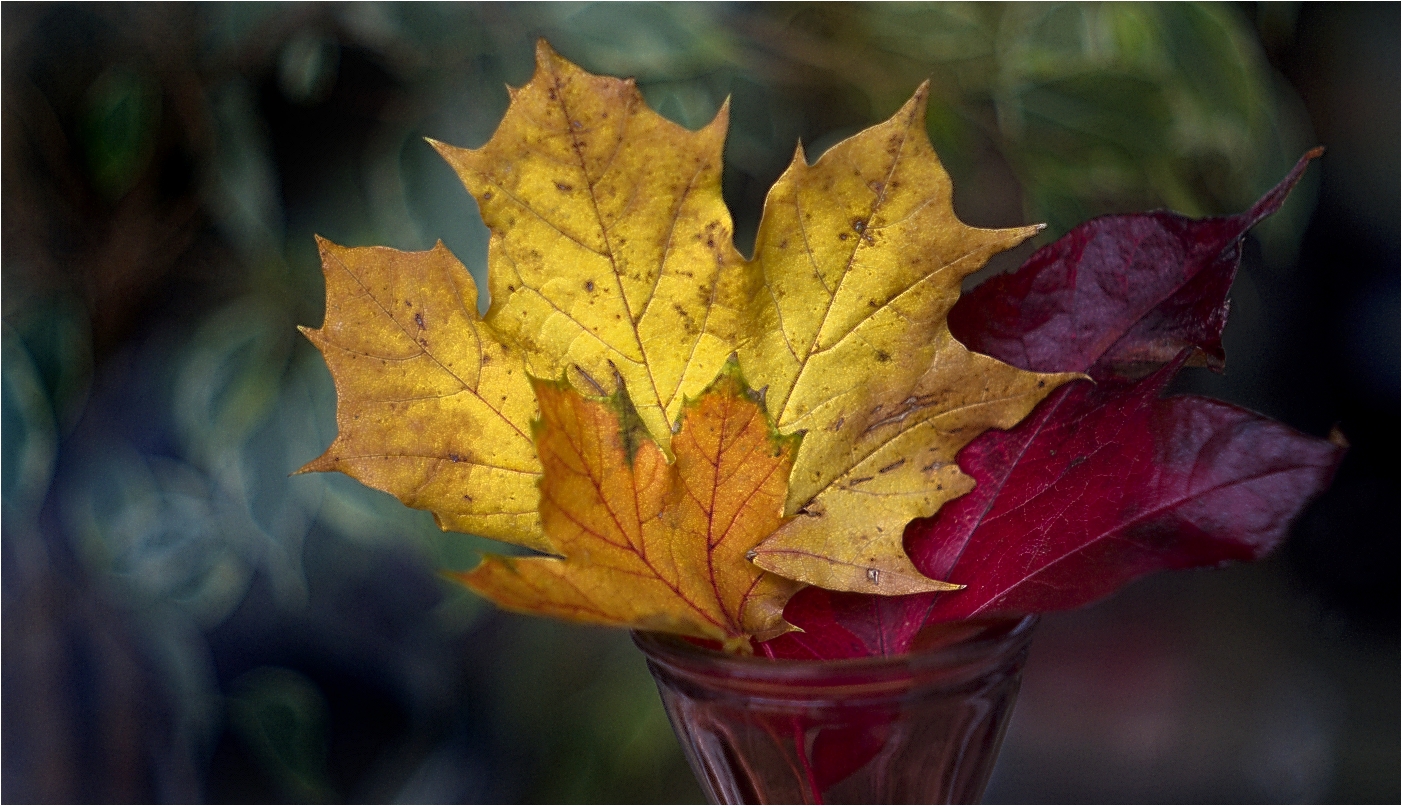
pixel 31 437
pixel 119 128
pixel 280 717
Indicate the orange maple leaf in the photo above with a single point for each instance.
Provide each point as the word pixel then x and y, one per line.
pixel 647 544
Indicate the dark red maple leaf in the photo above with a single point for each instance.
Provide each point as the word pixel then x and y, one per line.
pixel 1117 291
pixel 1111 482
pixel 1104 482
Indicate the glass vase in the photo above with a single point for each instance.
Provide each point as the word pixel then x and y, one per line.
pixel 918 728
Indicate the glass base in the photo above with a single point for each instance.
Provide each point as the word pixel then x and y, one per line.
pixel 918 728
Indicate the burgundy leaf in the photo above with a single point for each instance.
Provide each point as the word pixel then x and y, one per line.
pixel 1105 484
pixel 821 614
pixel 853 625
pixel 839 751
pixel 1117 292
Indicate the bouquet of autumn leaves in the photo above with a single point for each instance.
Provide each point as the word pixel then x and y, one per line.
pixel 814 452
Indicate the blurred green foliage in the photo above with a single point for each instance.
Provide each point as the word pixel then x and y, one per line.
pixel 282 717
pixel 119 128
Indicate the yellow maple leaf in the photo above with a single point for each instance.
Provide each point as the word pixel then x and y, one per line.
pixel 611 250
pixel 611 266
pixel 858 260
pixel 430 406
pixel 647 544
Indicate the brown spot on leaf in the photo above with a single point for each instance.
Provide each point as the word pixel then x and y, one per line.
pixel 685 316
pixel 589 286
pixel 562 187
pixel 419 320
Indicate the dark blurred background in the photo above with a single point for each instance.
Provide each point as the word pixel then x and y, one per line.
pixel 183 621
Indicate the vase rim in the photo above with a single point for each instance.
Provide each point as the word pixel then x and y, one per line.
pixel 943 664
